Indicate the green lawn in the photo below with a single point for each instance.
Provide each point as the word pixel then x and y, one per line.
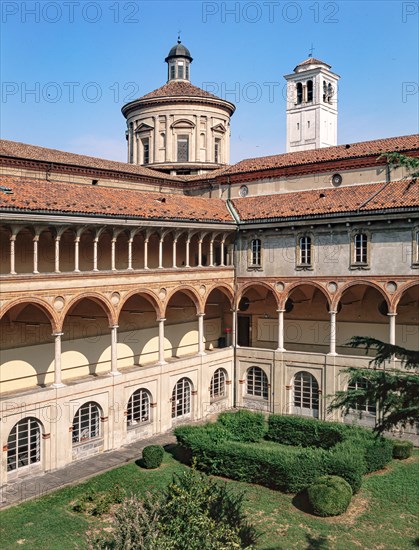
pixel 382 516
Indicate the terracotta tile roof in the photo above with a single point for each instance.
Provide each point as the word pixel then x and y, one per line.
pixel 16 149
pixel 312 61
pixel 178 88
pixel 339 152
pixel 80 199
pixel 348 199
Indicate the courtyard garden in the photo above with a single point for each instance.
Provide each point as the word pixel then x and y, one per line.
pixel 273 462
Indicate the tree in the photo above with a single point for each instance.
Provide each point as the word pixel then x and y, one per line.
pixel 194 512
pixel 394 391
pixel 396 160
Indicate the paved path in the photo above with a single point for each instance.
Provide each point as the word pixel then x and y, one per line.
pixel 35 486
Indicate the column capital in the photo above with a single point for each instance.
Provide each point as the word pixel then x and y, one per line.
pixel 391 314
pixel 331 312
pixel 58 334
pixel 281 310
pixel 161 319
pixel 113 326
pixel 200 314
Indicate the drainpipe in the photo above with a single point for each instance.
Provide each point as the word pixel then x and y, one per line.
pixel 235 215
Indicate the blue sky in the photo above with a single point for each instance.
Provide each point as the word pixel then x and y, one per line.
pixel 67 67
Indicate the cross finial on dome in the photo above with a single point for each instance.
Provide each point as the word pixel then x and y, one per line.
pixel 178 37
pixel 310 53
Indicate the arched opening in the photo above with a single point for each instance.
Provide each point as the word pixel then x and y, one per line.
pixel 407 319
pixel 153 251
pixel 24 251
pixel 137 254
pixel 305 394
pixel 362 414
pixel 86 423
pixel 24 447
pixel 309 90
pixel 121 251
pixel 362 311
pixel 27 346
pixel 307 320
pixel 104 247
pixel 86 341
pixel 86 250
pixel 181 325
pixel 138 335
pixel 218 387
pixel 299 93
pixel 218 320
pixel 257 318
pixel 67 250
pixel 182 400
pixel 138 408
pixel 257 383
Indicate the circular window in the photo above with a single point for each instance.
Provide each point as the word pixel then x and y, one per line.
pixel 336 180
pixel 243 191
pixel 244 304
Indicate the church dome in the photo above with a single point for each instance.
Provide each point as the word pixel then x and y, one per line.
pixel 179 50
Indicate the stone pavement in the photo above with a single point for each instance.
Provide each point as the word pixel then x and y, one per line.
pixel 31 487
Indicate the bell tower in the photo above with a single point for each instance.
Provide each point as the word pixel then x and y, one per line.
pixel 312 112
pixel 178 63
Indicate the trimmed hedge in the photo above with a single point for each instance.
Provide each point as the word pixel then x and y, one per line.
pixel 153 456
pixel 304 432
pixel 329 496
pixel 244 425
pixel 284 467
pixel 402 449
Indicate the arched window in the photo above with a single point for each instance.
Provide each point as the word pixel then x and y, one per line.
pixel 218 384
pixel 181 398
pixel 329 92
pixel 257 383
pixel 324 91
pixel 24 444
pixel 305 250
pixel 360 248
pixel 138 410
pixel 146 150
pixel 86 423
pixel 309 90
pixel 306 394
pixel 256 252
pixel 299 93
pixel 362 385
pixel 217 150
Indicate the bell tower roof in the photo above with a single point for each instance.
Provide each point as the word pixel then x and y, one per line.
pixel 310 63
pixel 179 50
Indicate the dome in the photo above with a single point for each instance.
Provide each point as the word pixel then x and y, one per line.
pixel 179 50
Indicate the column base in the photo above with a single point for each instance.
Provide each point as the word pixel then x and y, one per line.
pixel 115 373
pixel 280 349
pixel 162 362
pixel 201 353
pixel 60 385
pixel 332 354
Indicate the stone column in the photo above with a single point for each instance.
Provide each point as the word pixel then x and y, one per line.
pixel 197 132
pixel 201 334
pixel 234 331
pixel 57 253
pixel 76 254
pixel 200 253
pixel 161 342
pixel 95 241
pixel 12 255
pixel 188 242
pixel 392 328
pixel 222 253
pixel 161 241
pixel 280 330
pixel 130 241
pixel 146 252
pixel 332 333
pixel 113 245
pixel 57 361
pixel 156 134
pixel 211 253
pixel 174 253
pixel 35 253
pixel 114 351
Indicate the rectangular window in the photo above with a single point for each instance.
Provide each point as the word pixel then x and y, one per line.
pixel 146 150
pixel 217 150
pixel 180 70
pixel 305 250
pixel 172 72
pixel 360 248
pixel 256 250
pixel 183 149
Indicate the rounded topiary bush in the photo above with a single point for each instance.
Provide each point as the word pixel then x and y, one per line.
pixel 152 456
pixel 329 496
pixel 402 449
